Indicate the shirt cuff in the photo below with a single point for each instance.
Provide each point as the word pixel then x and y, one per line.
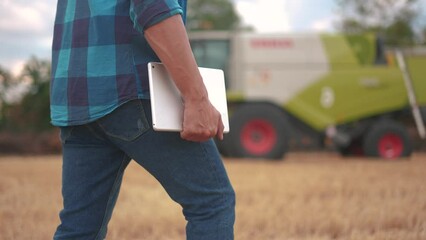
pixel 144 16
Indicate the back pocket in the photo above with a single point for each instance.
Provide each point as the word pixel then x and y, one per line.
pixel 127 122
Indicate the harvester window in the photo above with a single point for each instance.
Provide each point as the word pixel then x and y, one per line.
pixel 212 54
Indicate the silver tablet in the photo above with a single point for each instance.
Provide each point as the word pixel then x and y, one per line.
pixel 166 102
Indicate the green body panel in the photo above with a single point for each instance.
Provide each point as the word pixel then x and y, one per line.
pixel 355 94
pixel 234 96
pixel 345 51
pixel 364 48
pixel 355 88
pixel 417 69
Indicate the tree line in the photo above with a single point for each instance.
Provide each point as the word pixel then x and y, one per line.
pixel 397 22
pixel 24 99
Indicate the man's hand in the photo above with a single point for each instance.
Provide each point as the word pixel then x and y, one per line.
pixel 201 121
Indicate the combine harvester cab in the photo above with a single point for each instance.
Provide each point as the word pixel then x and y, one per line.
pixel 299 91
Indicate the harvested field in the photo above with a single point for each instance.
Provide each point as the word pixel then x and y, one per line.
pixel 309 196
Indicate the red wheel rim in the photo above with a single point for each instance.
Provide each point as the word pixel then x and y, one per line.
pixel 390 146
pixel 258 137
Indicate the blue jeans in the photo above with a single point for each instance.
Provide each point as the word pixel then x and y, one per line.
pixel 95 156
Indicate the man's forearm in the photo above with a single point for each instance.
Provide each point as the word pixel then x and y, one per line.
pixel 170 42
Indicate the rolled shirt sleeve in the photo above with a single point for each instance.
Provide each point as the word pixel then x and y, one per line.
pixel 145 13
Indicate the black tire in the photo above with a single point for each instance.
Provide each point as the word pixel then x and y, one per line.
pixel 387 139
pixel 221 146
pixel 258 131
pixel 354 149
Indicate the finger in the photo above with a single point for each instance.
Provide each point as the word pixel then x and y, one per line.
pixel 183 135
pixel 187 136
pixel 220 129
pixel 194 137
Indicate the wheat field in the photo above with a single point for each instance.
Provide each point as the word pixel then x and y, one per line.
pixel 309 196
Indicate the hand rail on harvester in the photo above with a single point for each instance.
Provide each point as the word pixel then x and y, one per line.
pixel 411 94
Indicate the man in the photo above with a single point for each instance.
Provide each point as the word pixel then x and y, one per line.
pixel 100 100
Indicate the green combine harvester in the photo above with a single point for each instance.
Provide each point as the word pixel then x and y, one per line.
pixel 300 91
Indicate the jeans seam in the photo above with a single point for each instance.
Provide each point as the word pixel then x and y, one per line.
pixel 139 134
pixel 212 166
pixel 114 187
pixel 94 132
pixel 216 176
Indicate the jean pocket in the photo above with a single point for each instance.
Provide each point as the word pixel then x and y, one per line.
pixel 127 122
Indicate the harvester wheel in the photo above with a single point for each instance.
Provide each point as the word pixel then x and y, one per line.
pixel 258 131
pixel 387 139
pixel 353 149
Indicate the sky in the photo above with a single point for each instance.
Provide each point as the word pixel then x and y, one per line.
pixel 26 26
pixel 287 15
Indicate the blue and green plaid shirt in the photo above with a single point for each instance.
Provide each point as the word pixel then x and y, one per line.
pixel 99 55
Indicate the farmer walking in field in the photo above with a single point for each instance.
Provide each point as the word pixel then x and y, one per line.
pixel 100 101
